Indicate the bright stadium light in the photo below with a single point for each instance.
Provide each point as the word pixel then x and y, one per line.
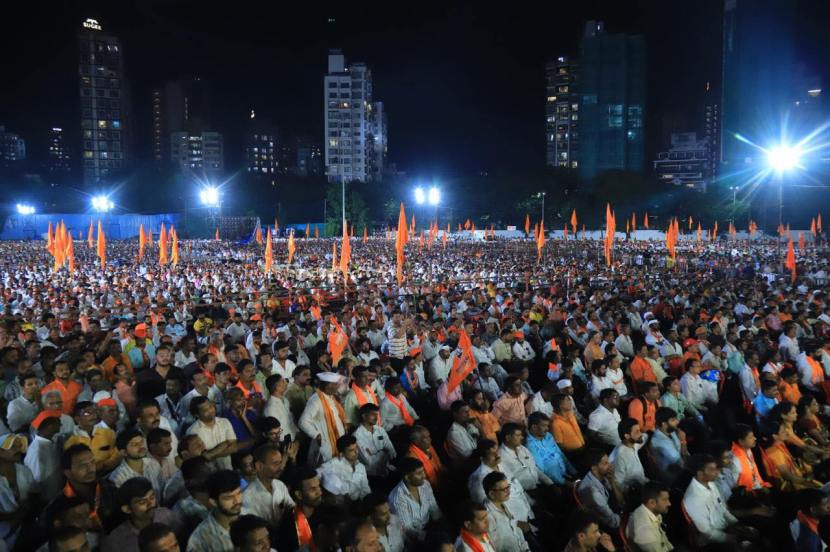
pixel 434 196
pixel 102 204
pixel 23 209
pixel 420 197
pixel 784 158
pixel 209 196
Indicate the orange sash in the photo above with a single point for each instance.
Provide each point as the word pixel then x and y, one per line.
pixel 331 424
pixel 246 392
pixel 69 492
pixel 817 372
pixel 430 468
pixel 304 535
pixel 471 541
pixel 749 471
pixel 361 398
pixel 407 417
pixel 811 523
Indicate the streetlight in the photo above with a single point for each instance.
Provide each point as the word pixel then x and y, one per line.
pixel 209 196
pixel 23 209
pixel 433 196
pixel 102 204
pixel 782 159
pixel 420 197
pixel 542 195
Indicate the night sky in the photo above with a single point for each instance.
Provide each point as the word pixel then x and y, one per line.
pixel 463 86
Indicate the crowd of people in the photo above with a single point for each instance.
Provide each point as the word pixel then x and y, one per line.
pixel 497 400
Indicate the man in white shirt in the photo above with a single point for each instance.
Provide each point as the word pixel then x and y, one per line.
pixel 216 433
pixel 23 409
pixel 236 329
pixel 277 406
pixel 266 496
pixel 462 436
pixel 389 527
pixel 359 393
pixel 788 343
pixel 395 409
pixel 703 394
pixel 133 448
pixel 541 400
pixel 412 499
pixel 43 456
pixel 644 526
pixel 603 422
pixel 623 342
pixel 516 458
pixel 628 469
pixel 344 476
pixel 439 368
pixel 281 364
pixel 365 355
pixel 707 509
pixel 518 502
pixel 313 420
pixel 522 349
pixel 374 446
pixel 505 531
pixel 201 388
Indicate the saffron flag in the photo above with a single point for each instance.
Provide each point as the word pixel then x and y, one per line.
pixel 292 247
pixel 789 263
pixel 573 221
pixel 801 241
pixel 307 230
pixel 345 253
pixel 102 245
pixel 421 241
pixel 216 236
pixel 365 234
pixel 70 255
pixel 813 229
pixel 269 253
pixel 162 246
pixel 699 233
pixel 174 251
pixel 540 239
pixel 633 222
pixel 259 234
pixel 334 257
pixel 338 341
pixel 527 225
pixel 400 243
pixel 818 222
pixel 89 236
pixel 316 231
pixel 645 221
pixel 462 364
pixel 142 241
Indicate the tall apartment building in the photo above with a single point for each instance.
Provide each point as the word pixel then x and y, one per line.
pixel 12 149
pixel 59 161
pixel 198 153
pixel 261 153
pixel 612 87
pixel 562 113
pixel 104 113
pixel 687 163
pixel 355 127
pixel 180 105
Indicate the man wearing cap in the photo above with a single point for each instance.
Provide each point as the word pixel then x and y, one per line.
pixel 323 419
pixel 522 349
pixel 140 348
pixel 43 455
pixel 439 368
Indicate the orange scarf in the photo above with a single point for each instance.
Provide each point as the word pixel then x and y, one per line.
pixel 471 541
pixel 247 392
pixel 304 535
pixel 361 398
pixel 430 468
pixel 407 417
pixel 749 471
pixel 331 424
pixel 810 522
pixel 818 373
pixel 553 371
pixel 69 492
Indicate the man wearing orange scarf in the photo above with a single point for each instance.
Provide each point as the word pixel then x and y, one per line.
pixel 359 394
pixel 473 537
pixel 748 475
pixel 420 447
pixel 295 529
pixel 323 419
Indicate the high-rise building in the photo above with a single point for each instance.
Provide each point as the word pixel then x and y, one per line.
pixel 757 79
pixel 59 162
pixel 180 105
pixel 198 153
pixel 354 126
pixel 712 129
pixel 104 114
pixel 687 163
pixel 261 159
pixel 309 158
pixel 562 113
pixel 612 84
pixel 12 148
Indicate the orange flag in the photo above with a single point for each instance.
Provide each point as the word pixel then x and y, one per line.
pixel 690 222
pixel 789 263
pixel 89 237
pixel 645 221
pixel 536 231
pixel 276 227
pixel 627 226
pixel 818 222
pixel 142 241
pixel 540 240
pixel 565 232
pixel 400 242
pixel 338 340
pixel 351 233
pixel 413 224
pixel 459 227
pixel 527 225
pixel 345 253
pixel 573 221
pixel 50 239
pixel 633 222
pixel 316 231
pixel 174 251
pixel 467 225
pixel 813 230
pixel 102 245
pixel 610 230
pixel 715 232
pixel 444 238
pixel 365 234
pixel 70 255
pixel 801 242
pixel 421 241
pixel 334 263
pixel 269 253
pixel 291 247
pixel 259 235
pixel 162 246
pixel 307 230
pixel 462 365
pixel 216 236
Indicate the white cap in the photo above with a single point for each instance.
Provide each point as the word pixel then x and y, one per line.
pixel 563 383
pixel 824 318
pixel 445 348
pixel 329 377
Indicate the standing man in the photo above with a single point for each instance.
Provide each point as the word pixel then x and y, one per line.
pixel 323 419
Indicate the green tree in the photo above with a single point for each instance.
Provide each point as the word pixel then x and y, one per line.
pixel 357 212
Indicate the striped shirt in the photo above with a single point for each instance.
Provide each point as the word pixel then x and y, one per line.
pixel 209 536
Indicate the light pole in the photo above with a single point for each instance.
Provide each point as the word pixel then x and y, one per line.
pixel 542 195
pixel 343 200
pixel 782 159
pixel 209 195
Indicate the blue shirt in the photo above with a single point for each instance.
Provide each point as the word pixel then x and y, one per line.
pixel 549 458
pixel 666 452
pixel 762 406
pixel 239 427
